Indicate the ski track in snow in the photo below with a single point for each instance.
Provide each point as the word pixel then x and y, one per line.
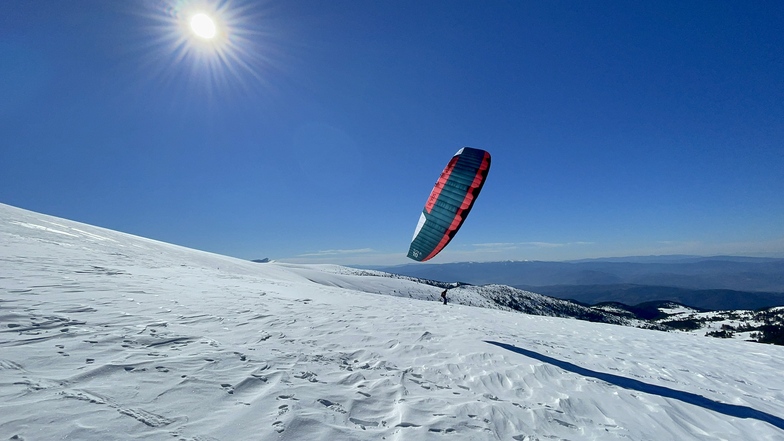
pixel 109 336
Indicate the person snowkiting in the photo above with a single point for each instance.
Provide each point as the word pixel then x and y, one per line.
pixel 443 295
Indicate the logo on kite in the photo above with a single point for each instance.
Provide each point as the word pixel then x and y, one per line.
pixel 450 202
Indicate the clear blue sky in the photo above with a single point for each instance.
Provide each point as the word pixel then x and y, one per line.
pixel 315 132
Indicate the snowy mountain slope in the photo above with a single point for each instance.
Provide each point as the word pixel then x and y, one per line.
pixel 764 325
pixel 501 297
pixel 109 336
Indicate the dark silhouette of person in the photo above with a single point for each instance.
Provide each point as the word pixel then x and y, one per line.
pixel 443 296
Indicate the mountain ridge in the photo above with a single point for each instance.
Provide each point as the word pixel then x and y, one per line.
pixel 765 325
pixel 580 280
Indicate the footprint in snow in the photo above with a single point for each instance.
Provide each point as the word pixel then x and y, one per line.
pixel 364 424
pixel 447 430
pixel 310 376
pixel 331 405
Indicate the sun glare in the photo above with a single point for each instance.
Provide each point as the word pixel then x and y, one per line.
pixel 203 26
pixel 211 43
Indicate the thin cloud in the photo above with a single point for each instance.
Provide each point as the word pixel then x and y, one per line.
pixel 501 245
pixel 516 245
pixel 327 253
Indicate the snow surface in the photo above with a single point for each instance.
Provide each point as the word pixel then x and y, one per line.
pixel 106 336
pixel 742 324
pixel 678 310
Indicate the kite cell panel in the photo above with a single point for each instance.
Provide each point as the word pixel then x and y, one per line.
pixel 449 203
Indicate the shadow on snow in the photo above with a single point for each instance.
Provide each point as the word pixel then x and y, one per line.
pixel 628 383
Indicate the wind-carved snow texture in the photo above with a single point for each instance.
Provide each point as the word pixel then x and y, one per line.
pixel 110 336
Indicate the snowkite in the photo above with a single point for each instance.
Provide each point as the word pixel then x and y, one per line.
pixel 449 203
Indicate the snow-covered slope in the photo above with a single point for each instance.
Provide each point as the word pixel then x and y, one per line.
pixel 764 325
pixel 109 336
pixel 501 297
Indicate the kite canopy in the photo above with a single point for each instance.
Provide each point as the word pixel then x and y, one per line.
pixel 450 202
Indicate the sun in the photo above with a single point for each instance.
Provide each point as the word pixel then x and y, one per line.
pixel 211 44
pixel 203 26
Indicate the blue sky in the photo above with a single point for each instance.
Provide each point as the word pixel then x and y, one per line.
pixel 315 132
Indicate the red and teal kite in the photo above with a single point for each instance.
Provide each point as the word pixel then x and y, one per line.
pixel 449 203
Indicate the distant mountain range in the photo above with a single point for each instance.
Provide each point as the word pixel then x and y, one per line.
pixel 713 283
pixel 765 325
pixel 710 299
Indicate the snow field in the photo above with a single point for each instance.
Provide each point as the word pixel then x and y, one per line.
pixel 109 336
